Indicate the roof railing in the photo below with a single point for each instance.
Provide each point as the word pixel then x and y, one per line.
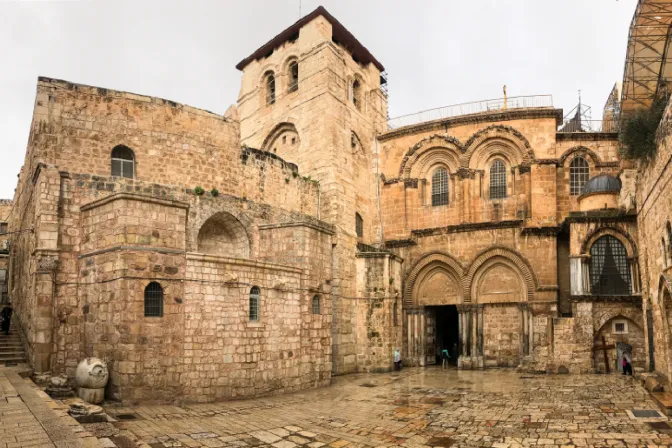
pixel 573 125
pixel 477 107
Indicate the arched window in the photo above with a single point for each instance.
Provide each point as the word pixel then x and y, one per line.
pixel 293 77
pixel 609 269
pixel 270 88
pixel 357 94
pixel 123 162
pixel 579 173
pixel 497 180
pixel 255 302
pixel 664 252
pixel 359 225
pixel 440 187
pixel 153 300
pixel 316 304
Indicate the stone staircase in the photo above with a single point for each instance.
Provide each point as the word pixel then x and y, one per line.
pixel 11 348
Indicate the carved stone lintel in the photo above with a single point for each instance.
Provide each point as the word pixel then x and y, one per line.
pixel 47 264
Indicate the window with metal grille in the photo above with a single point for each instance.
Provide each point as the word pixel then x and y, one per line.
pixel 579 173
pixel 356 94
pixel 609 269
pixel 440 187
pixel 359 225
pixel 255 302
pixel 293 85
pixel 497 180
pixel 620 327
pixel 270 88
pixel 316 304
pixel 123 162
pixel 154 300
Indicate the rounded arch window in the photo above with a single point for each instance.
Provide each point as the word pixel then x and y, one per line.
pixel 359 225
pixel 498 179
pixel 123 162
pixel 357 94
pixel 255 303
pixel 316 304
pixel 609 267
pixel 153 300
pixel 579 173
pixel 440 187
pixel 269 82
pixel 293 76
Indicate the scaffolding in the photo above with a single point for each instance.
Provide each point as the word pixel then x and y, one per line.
pixel 647 60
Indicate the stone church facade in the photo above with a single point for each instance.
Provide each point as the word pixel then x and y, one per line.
pixel 300 236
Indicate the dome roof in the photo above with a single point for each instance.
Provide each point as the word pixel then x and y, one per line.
pixel 602 184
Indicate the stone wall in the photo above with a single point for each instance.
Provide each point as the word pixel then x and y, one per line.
pixel 654 213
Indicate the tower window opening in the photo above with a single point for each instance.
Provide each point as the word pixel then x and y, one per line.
pixel 359 225
pixel 270 89
pixel 293 76
pixel 356 94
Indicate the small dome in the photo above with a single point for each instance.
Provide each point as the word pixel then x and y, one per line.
pixel 602 184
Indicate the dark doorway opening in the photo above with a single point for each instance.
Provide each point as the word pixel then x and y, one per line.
pixel 447 332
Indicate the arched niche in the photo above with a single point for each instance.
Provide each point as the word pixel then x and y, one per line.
pixel 498 281
pixel 224 235
pixel 500 140
pixel 431 151
pixel 506 258
pixel 434 274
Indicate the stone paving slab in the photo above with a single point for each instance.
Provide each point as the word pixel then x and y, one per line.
pixel 28 418
pixel 416 408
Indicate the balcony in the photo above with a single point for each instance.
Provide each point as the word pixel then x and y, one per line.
pixel 588 126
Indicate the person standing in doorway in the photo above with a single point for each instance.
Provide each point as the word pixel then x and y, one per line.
pixel 445 358
pixel 455 353
pixel 6 314
pixel 627 366
pixel 397 359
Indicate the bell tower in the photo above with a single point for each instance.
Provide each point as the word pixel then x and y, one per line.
pixel 312 96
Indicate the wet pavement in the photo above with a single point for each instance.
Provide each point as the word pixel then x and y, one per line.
pixel 417 407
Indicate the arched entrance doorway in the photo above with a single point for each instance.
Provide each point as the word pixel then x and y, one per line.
pixel 432 295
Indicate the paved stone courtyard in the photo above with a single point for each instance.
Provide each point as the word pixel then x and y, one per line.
pixel 417 407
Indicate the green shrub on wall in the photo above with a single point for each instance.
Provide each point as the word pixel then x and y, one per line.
pixel 638 132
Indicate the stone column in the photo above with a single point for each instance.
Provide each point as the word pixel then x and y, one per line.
pixel 479 329
pixel 423 340
pixel 524 329
pixel 40 338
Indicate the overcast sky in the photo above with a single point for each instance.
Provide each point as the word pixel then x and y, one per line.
pixel 436 52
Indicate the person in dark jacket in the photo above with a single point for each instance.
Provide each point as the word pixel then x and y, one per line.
pixel 6 314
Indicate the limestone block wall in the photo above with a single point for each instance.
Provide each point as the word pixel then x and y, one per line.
pixel 501 335
pixel 654 207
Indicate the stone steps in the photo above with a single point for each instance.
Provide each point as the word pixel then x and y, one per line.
pixel 11 348
pixel 664 401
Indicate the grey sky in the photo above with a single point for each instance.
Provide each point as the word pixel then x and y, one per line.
pixel 436 52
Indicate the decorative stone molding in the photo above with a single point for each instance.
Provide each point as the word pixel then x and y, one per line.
pixel 47 264
pixel 424 261
pixel 468 227
pixel 509 133
pixel 583 151
pixel 622 236
pixel 500 251
pixel 427 143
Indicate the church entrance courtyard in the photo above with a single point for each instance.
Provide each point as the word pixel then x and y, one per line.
pixel 416 407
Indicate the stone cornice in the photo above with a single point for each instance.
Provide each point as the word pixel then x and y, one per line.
pixel 586 136
pixel 611 215
pixel 133 197
pixel 193 256
pixel 486 117
pixel 158 250
pixel 391 244
pixel 636 299
pixel 541 231
pixel 320 227
pixel 467 227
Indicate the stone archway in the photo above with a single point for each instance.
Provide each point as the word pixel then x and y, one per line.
pixel 623 334
pixel 222 234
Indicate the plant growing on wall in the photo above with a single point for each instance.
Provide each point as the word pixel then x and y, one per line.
pixel 214 192
pixel 638 132
pixel 199 191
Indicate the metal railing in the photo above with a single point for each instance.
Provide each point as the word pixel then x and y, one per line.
pixel 588 126
pixel 456 110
